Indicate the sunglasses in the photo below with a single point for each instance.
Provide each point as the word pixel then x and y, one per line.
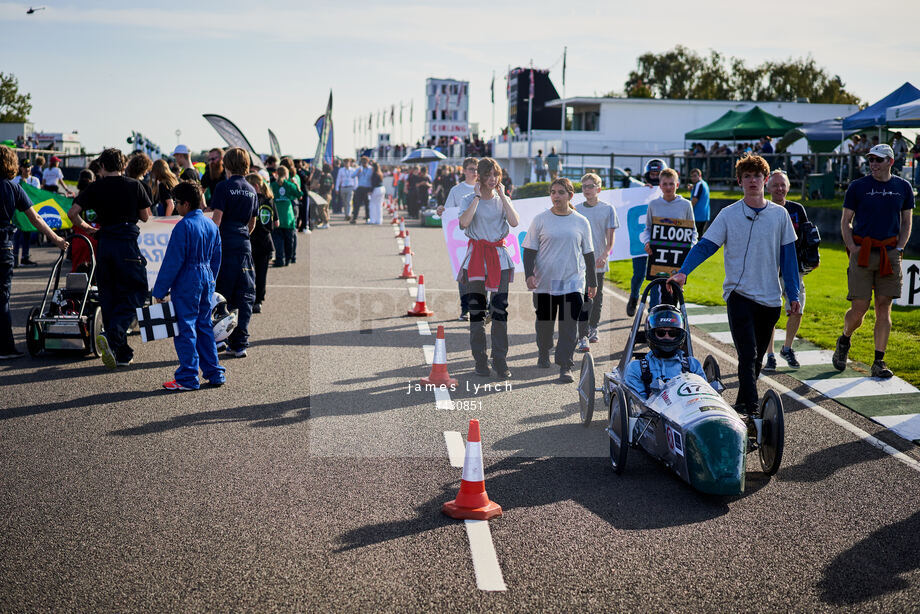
pixel 666 333
pixel 871 159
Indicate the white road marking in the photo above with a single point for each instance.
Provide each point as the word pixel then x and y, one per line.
pixel 860 386
pixel 455 448
pixel 442 396
pixel 707 318
pixel 829 415
pixel 411 280
pixel 423 328
pixel 413 292
pixel 485 560
pixel 726 336
pixel 429 353
pixel 905 425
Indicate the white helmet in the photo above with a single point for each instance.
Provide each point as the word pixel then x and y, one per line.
pixel 222 319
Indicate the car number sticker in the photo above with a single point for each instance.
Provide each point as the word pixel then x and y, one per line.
pixel 675 444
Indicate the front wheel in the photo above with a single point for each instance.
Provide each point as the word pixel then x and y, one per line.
pixel 617 429
pixel 773 432
pixel 95 328
pixel 586 393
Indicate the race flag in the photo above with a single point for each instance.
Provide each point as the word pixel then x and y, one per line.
pixel 400 112
pixel 324 127
pixel 493 86
pixel 233 136
pixel 273 144
pixel 49 206
pixel 392 114
pixel 531 82
pixel 370 121
pixel 158 321
pixel 565 52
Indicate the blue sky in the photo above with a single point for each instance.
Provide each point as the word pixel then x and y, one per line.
pixel 106 68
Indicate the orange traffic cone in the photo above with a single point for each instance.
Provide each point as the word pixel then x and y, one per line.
pixel 472 502
pixel 402 228
pixel 407 269
pixel 420 308
pixel 439 375
pixel 407 248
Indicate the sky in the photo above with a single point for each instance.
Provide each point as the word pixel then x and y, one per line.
pixel 105 68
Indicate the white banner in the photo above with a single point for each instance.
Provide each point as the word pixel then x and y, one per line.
pixel 631 206
pixel 153 240
pixel 910 286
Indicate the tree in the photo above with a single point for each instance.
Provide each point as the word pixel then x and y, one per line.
pixel 681 73
pixel 14 106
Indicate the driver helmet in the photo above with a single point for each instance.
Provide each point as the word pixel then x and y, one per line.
pixel 664 330
pixel 655 165
pixel 222 319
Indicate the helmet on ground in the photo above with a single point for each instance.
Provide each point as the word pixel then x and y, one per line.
pixel 664 330
pixel 222 319
pixel 655 165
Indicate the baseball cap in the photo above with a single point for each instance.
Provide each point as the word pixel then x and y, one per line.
pixel 56 159
pixel 882 151
pixel 180 149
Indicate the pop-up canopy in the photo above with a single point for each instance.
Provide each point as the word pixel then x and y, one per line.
pixel 876 114
pixel 751 124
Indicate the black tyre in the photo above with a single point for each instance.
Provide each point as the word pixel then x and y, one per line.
pixel 617 429
pixel 34 341
pixel 773 432
pixel 95 328
pixel 711 369
pixel 586 393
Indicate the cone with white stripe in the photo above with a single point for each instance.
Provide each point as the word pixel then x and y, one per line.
pixel 407 269
pixel 407 247
pixel 420 309
pixel 402 228
pixel 472 502
pixel 439 375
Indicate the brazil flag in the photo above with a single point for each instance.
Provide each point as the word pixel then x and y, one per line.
pixel 49 206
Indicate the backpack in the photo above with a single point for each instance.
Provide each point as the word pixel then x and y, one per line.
pixel 806 248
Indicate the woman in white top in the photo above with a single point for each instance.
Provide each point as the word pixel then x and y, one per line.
pixel 487 216
pixel 559 263
pixel 53 179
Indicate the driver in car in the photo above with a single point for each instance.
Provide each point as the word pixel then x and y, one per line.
pixel 665 334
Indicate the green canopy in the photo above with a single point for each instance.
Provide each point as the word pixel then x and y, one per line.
pixel 751 124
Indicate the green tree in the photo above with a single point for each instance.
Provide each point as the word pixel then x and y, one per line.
pixel 14 106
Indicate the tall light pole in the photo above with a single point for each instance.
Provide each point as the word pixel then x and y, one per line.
pixel 530 121
pixel 178 134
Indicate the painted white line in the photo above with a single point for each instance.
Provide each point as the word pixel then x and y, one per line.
pixel 707 318
pixel 423 328
pixel 829 415
pixel 429 353
pixel 843 387
pixel 413 292
pixel 442 398
pixel 726 336
pixel 411 280
pixel 811 357
pixel 905 425
pixel 455 448
pixel 485 560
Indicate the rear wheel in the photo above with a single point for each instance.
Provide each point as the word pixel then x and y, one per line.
pixel 711 369
pixel 586 393
pixel 773 432
pixel 617 429
pixel 95 328
pixel 33 333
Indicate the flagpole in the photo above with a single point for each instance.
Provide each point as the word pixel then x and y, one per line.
pixel 508 93
pixel 493 104
pixel 530 120
pixel 563 147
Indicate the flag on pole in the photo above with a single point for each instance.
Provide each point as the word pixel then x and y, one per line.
pixel 400 112
pixel 370 121
pixel 273 144
pixel 531 82
pixel 48 205
pixel 233 136
pixel 411 108
pixel 493 86
pixel 565 52
pixel 324 146
pixel 392 115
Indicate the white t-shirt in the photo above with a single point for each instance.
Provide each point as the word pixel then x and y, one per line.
pixel 52 175
pixel 561 242
pixel 457 193
pixel 32 180
pixel 601 217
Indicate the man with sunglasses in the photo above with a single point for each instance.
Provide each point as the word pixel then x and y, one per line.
pixel 664 330
pixel 875 225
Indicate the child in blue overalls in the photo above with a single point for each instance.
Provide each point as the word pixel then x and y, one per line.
pixel 187 274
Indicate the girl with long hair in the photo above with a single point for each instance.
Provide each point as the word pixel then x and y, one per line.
pixel 163 183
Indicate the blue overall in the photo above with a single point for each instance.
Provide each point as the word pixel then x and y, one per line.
pixel 236 280
pixel 662 369
pixel 187 274
pixel 121 273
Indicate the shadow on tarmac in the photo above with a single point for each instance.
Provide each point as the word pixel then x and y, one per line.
pixel 875 566
pixel 822 464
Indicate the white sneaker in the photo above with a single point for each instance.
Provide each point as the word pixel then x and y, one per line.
pixel 583 345
pixel 592 335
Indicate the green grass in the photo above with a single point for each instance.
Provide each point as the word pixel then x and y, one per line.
pixel 826 303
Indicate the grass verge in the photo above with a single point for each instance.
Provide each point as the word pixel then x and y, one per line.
pixel 825 305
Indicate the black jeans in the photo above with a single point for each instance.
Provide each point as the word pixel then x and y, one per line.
pixel 566 308
pixel 591 312
pixel 6 286
pixel 751 326
pixel 497 305
pixel 261 255
pixel 361 200
pixel 121 271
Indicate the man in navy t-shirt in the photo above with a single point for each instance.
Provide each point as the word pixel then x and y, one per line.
pixel 876 224
pixel 236 204
pixel 699 198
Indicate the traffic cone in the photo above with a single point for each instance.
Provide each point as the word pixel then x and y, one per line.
pixel 472 502
pixel 395 220
pixel 402 228
pixel 420 308
pixel 439 375
pixel 407 269
pixel 407 248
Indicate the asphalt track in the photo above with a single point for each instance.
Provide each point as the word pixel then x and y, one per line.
pixel 313 482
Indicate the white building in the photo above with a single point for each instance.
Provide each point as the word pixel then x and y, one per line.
pixel 632 128
pixel 447 107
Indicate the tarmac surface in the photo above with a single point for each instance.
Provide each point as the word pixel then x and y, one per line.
pixel 313 480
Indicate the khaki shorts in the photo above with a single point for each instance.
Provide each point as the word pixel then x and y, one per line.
pixel 862 280
pixel 782 284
